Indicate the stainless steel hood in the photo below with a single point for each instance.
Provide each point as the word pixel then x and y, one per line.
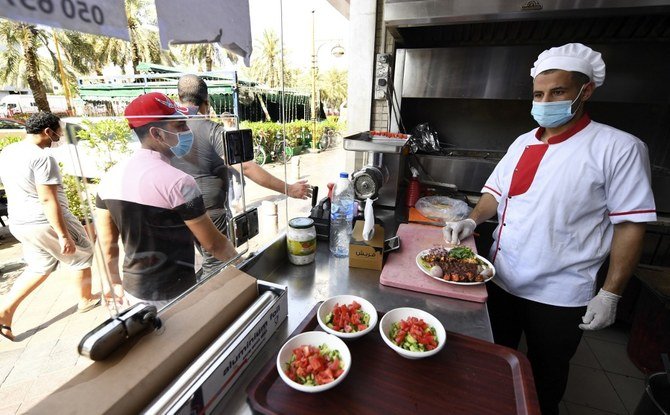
pixel 448 23
pixel 500 72
pixel 409 13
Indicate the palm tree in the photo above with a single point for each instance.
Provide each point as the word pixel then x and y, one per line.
pixel 21 60
pixel 144 43
pixel 107 50
pixel 209 53
pixel 25 64
pixel 333 87
pixel 266 64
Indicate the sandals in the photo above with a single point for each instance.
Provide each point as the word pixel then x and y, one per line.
pixel 9 329
pixel 87 305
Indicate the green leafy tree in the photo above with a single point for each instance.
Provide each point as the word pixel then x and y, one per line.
pixel 209 54
pixel 144 43
pixel 110 138
pixel 333 87
pixel 21 61
pixel 5 141
pixel 266 60
pixel 30 57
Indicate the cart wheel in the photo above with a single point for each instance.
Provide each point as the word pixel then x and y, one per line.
pixel 260 156
pixel 282 154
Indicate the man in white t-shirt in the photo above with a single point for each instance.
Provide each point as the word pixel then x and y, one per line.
pixel 566 194
pixel 40 219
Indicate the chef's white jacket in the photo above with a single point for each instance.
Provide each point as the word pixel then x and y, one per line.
pixel 557 207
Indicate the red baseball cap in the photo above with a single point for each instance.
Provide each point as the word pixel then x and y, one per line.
pixel 153 107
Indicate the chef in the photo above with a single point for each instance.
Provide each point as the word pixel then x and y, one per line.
pixel 566 194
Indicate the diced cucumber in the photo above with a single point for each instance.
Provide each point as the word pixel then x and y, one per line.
pixel 366 318
pixel 410 339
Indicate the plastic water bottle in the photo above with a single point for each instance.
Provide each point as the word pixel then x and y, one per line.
pixel 341 216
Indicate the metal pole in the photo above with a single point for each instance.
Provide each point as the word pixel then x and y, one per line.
pixel 313 109
pixel 66 88
pixel 236 103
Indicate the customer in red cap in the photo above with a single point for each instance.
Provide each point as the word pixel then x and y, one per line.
pixel 156 209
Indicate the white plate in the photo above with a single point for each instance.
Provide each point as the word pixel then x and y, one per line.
pixel 328 305
pixel 423 266
pixel 313 338
pixel 397 314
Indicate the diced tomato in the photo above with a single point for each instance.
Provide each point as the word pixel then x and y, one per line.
pixel 315 362
pixel 348 318
pixel 324 377
pixel 418 329
pixel 334 365
pixel 308 360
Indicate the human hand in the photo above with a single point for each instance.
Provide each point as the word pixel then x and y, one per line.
pixel 229 250
pixel 300 190
pixel 455 232
pixel 601 311
pixel 115 295
pixel 67 246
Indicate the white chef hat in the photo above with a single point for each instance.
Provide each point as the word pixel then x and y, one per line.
pixel 573 57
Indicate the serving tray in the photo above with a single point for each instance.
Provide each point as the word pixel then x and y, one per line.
pixel 469 376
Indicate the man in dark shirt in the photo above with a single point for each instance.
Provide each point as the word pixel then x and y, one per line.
pixel 208 140
pixel 156 209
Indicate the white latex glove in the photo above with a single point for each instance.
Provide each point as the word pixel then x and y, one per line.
pixel 369 224
pixel 601 311
pixel 455 232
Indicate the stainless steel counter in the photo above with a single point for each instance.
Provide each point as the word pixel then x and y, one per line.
pixel 329 276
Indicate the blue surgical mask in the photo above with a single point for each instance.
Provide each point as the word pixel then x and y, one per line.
pixel 554 114
pixel 185 142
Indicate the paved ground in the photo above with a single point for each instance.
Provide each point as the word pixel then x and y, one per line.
pixel 47 326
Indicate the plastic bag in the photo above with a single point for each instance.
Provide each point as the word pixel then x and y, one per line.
pixel 424 139
pixel 442 208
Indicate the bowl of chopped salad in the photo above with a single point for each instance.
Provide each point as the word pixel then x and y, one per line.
pixel 412 333
pixel 347 316
pixel 313 361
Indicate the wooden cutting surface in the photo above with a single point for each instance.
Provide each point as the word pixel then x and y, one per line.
pixel 468 376
pixel 401 271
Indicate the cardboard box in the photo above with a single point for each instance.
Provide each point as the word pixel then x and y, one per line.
pixel 370 254
pixel 131 377
pixel 204 393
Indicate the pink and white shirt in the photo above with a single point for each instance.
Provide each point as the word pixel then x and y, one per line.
pixel 557 207
pixel 149 201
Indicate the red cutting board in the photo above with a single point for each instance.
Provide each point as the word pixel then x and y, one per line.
pixel 401 271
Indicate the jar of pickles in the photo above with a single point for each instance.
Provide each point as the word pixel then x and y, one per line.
pixel 301 241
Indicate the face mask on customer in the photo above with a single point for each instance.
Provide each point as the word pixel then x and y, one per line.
pixel 554 114
pixel 56 140
pixel 185 142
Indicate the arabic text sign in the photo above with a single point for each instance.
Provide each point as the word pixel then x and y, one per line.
pixel 100 17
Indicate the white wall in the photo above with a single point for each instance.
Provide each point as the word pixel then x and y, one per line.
pixel 362 22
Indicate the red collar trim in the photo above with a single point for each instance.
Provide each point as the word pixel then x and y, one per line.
pixel 579 126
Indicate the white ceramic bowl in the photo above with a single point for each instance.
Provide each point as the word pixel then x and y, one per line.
pixel 313 338
pixel 395 315
pixel 328 305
